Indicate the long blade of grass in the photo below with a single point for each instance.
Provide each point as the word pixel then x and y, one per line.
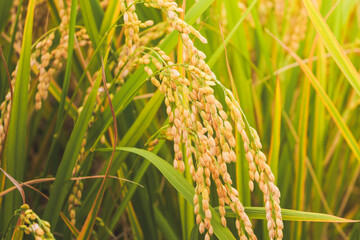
pixel 62 182
pixel 300 174
pixel 333 46
pixel 275 132
pixel 334 113
pixel 14 160
pixel 179 183
pixel 187 191
pixel 293 215
pixel 319 128
pixel 88 226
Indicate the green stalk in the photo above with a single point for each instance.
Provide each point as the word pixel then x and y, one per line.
pixel 14 160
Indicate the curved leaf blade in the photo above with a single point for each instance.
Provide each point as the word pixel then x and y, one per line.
pixel 292 215
pixel 15 149
pixel 187 191
pixel 332 45
pixel 179 183
pixel 62 182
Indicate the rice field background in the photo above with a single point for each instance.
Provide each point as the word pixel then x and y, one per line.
pixel 161 119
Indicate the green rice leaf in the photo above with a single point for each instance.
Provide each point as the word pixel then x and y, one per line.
pixel 15 149
pixel 330 106
pixel 62 182
pixel 187 191
pixel 292 215
pixel 333 46
pixel 275 132
pixel 300 176
pixel 179 183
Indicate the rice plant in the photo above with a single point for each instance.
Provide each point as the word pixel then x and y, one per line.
pixel 163 119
